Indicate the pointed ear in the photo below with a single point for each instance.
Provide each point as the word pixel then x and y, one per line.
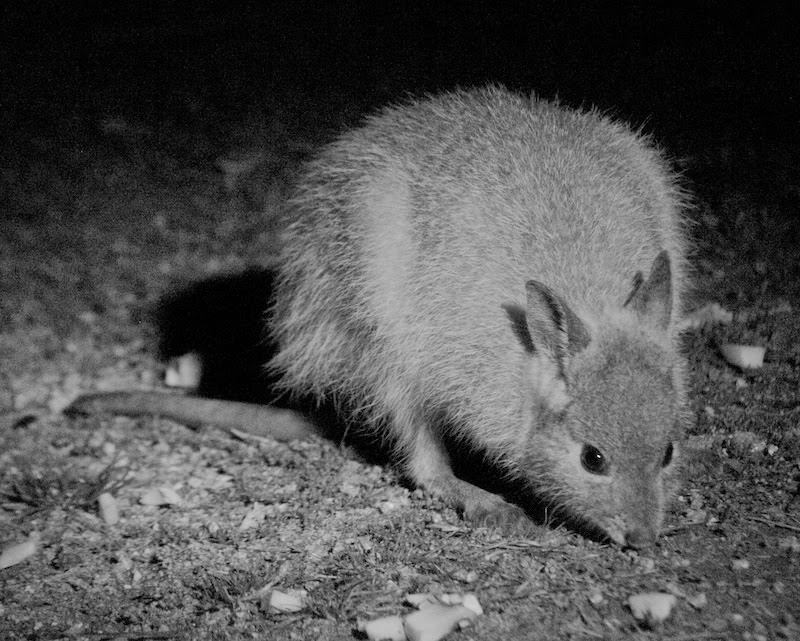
pixel 651 299
pixel 552 325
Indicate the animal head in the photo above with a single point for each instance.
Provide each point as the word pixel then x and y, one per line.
pixel 605 412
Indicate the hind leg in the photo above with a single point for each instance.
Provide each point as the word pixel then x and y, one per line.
pixel 428 464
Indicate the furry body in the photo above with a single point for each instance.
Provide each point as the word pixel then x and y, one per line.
pixel 402 293
pixel 496 273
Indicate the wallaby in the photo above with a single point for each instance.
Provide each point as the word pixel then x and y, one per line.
pixel 503 273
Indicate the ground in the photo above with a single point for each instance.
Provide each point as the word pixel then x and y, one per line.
pixel 103 214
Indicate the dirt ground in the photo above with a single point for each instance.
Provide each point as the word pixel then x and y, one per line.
pixel 103 214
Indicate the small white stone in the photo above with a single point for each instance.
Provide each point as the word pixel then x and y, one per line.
pixel 160 496
pixel 471 602
pixel 384 629
pixel 184 371
pixel 256 515
pixel 698 601
pixel 435 622
pixel 292 601
pixel 18 552
pixel 451 599
pixel 109 511
pixel 420 600
pixel 744 356
pixel 466 576
pixel 651 607
pixel 387 506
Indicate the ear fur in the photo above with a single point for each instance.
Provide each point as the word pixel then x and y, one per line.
pixel 553 327
pixel 652 299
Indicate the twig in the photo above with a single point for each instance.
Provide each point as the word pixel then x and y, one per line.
pixel 699 636
pixel 785 526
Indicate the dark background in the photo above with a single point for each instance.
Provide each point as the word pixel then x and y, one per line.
pixel 709 67
pixel 716 82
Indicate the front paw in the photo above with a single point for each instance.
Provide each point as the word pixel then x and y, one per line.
pixel 498 514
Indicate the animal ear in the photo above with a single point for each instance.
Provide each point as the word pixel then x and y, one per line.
pixel 552 325
pixel 651 299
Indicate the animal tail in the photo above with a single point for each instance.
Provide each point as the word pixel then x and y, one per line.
pixel 258 420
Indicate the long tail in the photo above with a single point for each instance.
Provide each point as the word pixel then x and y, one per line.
pixel 259 420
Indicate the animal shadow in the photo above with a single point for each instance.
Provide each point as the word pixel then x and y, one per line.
pixel 223 320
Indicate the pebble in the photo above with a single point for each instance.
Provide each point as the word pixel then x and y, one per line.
pixel 109 510
pixel 652 607
pixel 18 552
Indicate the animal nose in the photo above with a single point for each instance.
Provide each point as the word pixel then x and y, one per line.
pixel 640 537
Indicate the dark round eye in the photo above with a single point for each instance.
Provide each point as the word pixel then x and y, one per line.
pixel 667 455
pixel 593 460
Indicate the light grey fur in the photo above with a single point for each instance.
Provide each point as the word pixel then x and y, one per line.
pixel 413 240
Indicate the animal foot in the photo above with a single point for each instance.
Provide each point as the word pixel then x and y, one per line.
pixel 493 512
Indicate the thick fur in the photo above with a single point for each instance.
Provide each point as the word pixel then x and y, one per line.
pixel 403 281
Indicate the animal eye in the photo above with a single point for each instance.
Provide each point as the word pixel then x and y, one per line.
pixel 593 460
pixel 667 455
